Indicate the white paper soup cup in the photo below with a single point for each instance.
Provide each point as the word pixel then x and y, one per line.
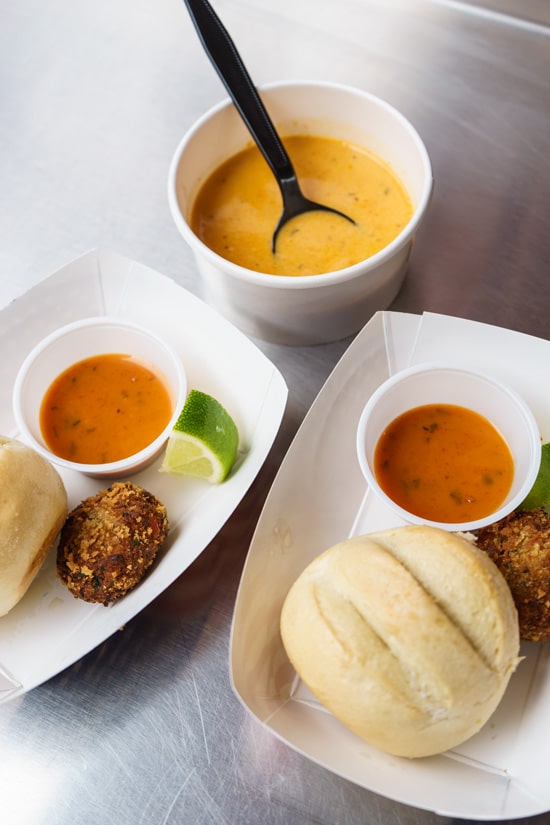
pixel 435 383
pixel 76 342
pixel 316 308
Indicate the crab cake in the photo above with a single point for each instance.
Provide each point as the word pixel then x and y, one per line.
pixel 519 545
pixel 109 541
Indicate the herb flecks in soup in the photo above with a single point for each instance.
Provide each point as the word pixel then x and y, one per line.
pixel 444 463
pixel 238 207
pixel 104 408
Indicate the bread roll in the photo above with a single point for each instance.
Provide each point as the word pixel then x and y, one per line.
pixel 408 636
pixel 33 507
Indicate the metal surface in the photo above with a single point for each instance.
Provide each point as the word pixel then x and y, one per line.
pixel 94 98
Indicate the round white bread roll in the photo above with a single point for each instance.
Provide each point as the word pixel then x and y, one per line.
pixel 33 507
pixel 408 636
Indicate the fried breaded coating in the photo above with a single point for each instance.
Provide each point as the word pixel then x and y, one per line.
pixel 520 547
pixel 109 541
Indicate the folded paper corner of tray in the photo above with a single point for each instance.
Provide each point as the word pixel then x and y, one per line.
pixel 9 685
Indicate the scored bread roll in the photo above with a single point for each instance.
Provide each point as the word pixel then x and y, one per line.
pixel 33 507
pixel 408 636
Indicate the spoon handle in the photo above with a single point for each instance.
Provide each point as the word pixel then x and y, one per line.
pixel 226 60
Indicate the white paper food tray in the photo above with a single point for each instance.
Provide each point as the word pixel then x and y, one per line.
pixel 49 629
pixel 318 498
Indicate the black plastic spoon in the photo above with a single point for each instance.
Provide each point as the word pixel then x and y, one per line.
pixel 226 60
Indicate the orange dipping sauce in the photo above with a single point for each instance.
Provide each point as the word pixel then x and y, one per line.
pixel 444 463
pixel 104 408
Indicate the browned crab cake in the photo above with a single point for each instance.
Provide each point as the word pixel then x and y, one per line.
pixel 519 545
pixel 109 541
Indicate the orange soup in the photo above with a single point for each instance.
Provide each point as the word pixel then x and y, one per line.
pixel 444 463
pixel 238 207
pixel 104 408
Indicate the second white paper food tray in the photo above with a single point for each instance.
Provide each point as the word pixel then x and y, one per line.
pixel 318 498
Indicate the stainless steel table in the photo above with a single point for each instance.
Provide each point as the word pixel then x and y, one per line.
pixel 94 98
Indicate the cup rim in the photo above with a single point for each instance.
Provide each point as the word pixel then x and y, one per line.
pixel 112 468
pixel 271 280
pixel 532 431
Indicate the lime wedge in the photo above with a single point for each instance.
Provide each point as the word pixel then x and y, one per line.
pixel 203 442
pixel 539 495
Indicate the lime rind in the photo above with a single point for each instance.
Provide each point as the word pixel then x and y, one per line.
pixel 539 495
pixel 207 420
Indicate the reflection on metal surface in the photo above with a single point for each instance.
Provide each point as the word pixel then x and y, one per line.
pixel 523 13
